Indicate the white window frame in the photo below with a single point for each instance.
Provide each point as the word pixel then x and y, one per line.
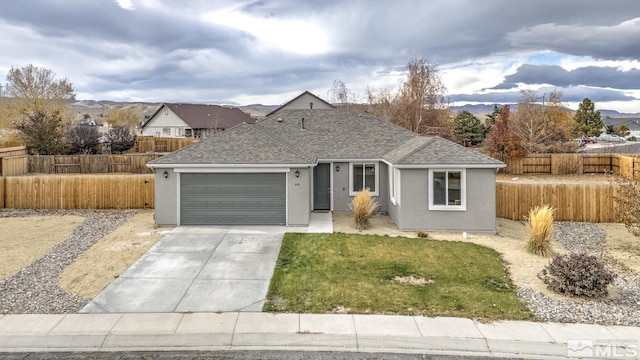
pixel 377 177
pixel 463 191
pixel 166 131
pixel 394 188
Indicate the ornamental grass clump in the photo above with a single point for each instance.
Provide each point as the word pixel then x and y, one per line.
pixel 540 226
pixel 362 206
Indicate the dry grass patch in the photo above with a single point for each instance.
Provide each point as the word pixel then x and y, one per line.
pixel 26 239
pixel 113 254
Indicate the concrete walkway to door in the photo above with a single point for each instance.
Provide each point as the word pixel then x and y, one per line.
pixel 198 269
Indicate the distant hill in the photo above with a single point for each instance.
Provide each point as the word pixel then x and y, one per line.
pixel 98 108
pixel 483 109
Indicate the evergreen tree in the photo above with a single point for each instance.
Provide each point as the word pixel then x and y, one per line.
pixel 588 121
pixel 468 128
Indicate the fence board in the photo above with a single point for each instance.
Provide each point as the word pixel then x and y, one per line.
pixel 79 192
pixel 573 202
pixel 13 151
pixel 91 164
pixel 146 144
pixel 14 165
pixel 1 192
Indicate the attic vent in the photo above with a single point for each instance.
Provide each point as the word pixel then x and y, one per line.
pixel 279 119
pixel 311 105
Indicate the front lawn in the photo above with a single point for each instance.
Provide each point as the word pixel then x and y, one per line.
pixel 325 273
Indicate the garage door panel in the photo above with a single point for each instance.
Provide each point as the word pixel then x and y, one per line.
pixel 233 199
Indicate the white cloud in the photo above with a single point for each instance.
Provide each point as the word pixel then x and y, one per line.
pixel 297 36
pixel 126 4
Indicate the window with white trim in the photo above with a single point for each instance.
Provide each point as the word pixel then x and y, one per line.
pixel 362 176
pixel 166 131
pixel 447 189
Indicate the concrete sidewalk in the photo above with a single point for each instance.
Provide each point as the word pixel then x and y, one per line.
pixel 313 332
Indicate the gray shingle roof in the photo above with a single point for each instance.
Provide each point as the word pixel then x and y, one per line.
pixel 203 116
pixel 434 150
pixel 285 138
pixel 242 144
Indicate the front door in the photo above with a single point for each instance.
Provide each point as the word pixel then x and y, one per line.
pixel 322 187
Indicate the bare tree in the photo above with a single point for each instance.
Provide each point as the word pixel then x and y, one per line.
pixel 124 117
pixel 421 104
pixel 423 100
pixel 82 139
pixel 544 126
pixel 31 89
pixel 341 95
pixel 121 138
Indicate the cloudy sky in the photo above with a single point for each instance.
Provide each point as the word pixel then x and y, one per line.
pixel 245 52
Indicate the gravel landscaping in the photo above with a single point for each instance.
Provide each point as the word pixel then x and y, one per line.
pixel 621 307
pixel 34 289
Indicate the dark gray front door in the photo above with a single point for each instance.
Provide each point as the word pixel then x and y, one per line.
pixel 322 187
pixel 233 199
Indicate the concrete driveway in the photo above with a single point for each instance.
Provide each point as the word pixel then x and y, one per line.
pixel 197 269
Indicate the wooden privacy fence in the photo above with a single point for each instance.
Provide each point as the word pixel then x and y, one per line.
pixel 573 202
pixel 91 164
pixel 145 144
pixel 562 164
pixel 78 192
pixel 13 161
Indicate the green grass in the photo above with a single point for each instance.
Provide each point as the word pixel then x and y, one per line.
pixel 320 273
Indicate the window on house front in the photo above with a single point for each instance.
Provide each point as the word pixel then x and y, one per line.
pixel 166 111
pixel 166 131
pixel 188 132
pixel 197 133
pixel 362 176
pixel 447 190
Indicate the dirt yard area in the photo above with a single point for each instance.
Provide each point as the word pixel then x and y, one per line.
pixel 25 239
pixel 22 240
pixel 510 241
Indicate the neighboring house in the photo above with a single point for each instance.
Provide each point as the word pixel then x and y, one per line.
pixel 282 168
pixel 632 123
pixel 306 100
pixel 193 120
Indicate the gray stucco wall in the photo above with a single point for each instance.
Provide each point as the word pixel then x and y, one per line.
pixel 341 198
pixel 166 197
pixel 412 213
pixel 299 197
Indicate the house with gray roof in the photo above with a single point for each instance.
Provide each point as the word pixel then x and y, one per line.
pixel 192 120
pixel 279 170
pixel 306 100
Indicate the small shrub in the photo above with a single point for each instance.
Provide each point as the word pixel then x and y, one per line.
pixel 577 275
pixel 540 226
pixel 362 206
pixel 423 234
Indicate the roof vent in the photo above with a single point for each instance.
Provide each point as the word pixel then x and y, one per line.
pixel 279 119
pixel 302 124
pixel 311 105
